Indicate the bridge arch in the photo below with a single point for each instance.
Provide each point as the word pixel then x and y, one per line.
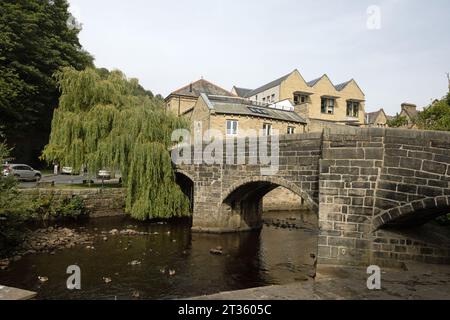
pixel 241 203
pixel 186 183
pixel 276 182
pixel 413 213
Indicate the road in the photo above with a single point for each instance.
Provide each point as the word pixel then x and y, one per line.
pixel 61 179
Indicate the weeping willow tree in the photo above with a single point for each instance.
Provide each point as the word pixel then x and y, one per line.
pixel 105 120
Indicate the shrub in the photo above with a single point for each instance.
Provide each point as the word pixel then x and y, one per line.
pixel 48 208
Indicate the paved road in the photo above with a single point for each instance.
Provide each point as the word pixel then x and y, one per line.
pixel 60 179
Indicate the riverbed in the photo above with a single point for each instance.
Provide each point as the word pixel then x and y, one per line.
pixel 165 260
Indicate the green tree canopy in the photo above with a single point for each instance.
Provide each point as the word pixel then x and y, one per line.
pixel 397 121
pixel 37 37
pixel 436 116
pixel 105 121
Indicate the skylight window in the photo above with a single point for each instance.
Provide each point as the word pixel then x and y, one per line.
pixel 257 110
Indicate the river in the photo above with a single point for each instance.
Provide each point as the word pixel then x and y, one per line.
pixel 172 262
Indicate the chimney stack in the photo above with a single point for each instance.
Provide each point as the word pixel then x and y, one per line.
pixel 409 107
pixel 190 87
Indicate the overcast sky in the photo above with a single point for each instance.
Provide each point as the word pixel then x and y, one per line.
pixel 167 44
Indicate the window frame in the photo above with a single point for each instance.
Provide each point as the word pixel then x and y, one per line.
pixel 267 129
pixel 300 99
pixel 229 131
pixel 290 130
pixel 327 107
pixel 352 105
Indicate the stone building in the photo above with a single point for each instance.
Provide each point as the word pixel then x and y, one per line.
pixel 409 111
pixel 233 116
pixel 319 101
pixel 377 119
pixel 240 92
pixel 184 99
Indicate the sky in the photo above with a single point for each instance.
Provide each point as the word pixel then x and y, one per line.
pixel 396 50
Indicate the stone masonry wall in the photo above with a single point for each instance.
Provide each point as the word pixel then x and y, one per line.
pixel 349 168
pixel 282 199
pixel 298 172
pixel 358 180
pixel 99 202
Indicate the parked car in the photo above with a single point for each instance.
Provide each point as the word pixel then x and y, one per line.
pixel 67 170
pixel 104 175
pixel 21 172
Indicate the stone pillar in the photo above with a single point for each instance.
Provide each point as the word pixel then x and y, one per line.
pixel 349 170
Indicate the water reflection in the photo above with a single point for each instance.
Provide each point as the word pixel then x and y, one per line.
pixel 273 255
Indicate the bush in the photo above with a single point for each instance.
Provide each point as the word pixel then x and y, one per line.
pixel 47 208
pixel 16 211
pixel 72 208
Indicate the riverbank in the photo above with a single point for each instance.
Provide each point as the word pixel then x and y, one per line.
pixel 418 282
pixel 46 240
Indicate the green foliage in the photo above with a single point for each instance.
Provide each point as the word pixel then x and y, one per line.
pixel 20 210
pixel 10 202
pixel 435 117
pixel 35 41
pixel 16 209
pixel 105 120
pixel 11 206
pixel 397 121
pixel 48 208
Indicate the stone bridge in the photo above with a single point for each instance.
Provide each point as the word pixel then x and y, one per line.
pixel 363 183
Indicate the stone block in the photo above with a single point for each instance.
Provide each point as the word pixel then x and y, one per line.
pixel 410 163
pixel 401 172
pixel 434 167
pixel 373 153
pixel 430 191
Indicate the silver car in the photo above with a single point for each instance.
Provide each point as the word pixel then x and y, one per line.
pixel 21 172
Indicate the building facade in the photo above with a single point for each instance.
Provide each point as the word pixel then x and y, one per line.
pixel 234 116
pixel 319 101
pixel 377 119
pixel 409 111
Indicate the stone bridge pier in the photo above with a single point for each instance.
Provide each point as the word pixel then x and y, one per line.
pixel 371 188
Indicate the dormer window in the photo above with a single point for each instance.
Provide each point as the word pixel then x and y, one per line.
pixel 352 109
pixel 327 105
pixel 300 98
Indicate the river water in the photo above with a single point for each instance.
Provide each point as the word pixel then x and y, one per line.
pixel 276 254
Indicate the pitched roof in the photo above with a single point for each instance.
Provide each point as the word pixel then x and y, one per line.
pixel 312 83
pixel 410 110
pixel 239 106
pixel 242 92
pixel 200 86
pixel 372 116
pixel 342 85
pixel 267 86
